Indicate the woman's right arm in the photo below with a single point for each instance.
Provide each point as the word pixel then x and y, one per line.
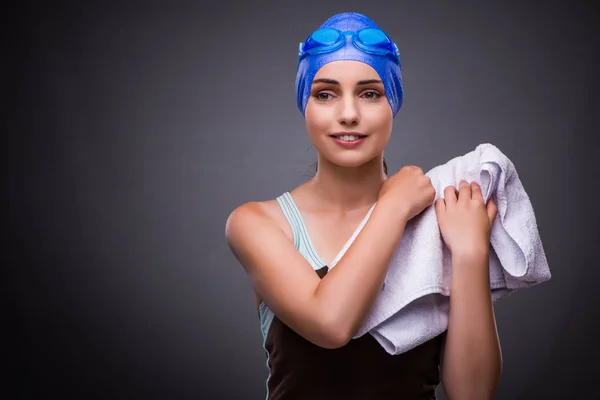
pixel 324 311
pixel 328 311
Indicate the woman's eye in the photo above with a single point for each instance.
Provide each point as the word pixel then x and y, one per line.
pixel 323 96
pixel 372 95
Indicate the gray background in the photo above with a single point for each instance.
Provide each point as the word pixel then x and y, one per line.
pixel 135 130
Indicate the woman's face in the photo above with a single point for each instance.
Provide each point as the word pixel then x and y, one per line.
pixel 348 96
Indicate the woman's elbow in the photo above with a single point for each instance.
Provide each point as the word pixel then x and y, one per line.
pixel 336 334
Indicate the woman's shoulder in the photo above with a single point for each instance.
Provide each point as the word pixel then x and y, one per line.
pixel 261 209
pixel 250 214
pixel 266 210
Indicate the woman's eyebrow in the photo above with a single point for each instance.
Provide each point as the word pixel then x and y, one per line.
pixel 334 82
pixel 369 81
pixel 325 80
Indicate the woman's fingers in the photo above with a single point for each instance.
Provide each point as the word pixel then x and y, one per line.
pixel 464 191
pixel 476 192
pixel 450 196
pixel 492 210
pixel 440 207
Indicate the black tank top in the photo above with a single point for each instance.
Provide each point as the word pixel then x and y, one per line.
pixel 361 369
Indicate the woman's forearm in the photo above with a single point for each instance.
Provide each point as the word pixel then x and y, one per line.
pixel 472 358
pixel 350 289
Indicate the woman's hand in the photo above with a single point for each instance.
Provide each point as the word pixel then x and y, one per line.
pixel 464 221
pixel 409 189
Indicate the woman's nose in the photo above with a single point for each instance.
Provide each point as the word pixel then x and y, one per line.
pixel 349 113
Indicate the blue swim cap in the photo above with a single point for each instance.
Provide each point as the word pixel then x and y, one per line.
pixel 353 45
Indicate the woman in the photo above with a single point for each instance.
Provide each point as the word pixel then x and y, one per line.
pixel 349 89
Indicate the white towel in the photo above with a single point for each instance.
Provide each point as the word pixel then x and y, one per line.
pixel 412 307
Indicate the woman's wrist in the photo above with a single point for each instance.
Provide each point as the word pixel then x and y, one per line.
pixel 394 211
pixel 476 255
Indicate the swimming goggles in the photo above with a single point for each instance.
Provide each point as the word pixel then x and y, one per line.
pixel 369 40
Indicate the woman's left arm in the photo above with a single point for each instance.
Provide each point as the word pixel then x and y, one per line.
pixel 471 356
pixel 471 360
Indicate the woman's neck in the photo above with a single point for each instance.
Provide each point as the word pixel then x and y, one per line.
pixel 346 188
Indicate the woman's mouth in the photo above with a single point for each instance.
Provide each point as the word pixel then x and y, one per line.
pixel 349 140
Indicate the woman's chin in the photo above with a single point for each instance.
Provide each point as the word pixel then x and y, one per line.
pixel 356 161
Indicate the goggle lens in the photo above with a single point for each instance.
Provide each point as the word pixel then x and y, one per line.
pixel 372 37
pixel 326 36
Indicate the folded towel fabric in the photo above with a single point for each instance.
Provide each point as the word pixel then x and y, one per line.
pixel 413 304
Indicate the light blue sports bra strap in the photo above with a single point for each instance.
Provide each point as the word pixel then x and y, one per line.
pixel 302 240
pixel 287 207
